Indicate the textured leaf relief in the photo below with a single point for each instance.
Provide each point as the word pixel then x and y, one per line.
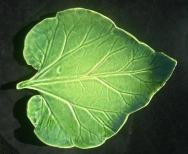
pixel 91 76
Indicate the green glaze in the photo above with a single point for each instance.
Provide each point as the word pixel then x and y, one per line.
pixel 91 76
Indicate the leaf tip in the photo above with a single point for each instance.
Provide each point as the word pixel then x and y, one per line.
pixel 172 61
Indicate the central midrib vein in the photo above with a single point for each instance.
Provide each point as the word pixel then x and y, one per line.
pixel 84 77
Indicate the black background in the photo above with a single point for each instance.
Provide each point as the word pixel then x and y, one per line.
pixel 160 128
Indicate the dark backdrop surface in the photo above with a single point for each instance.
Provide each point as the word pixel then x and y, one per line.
pixel 160 128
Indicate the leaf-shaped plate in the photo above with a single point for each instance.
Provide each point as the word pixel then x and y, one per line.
pixel 91 76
